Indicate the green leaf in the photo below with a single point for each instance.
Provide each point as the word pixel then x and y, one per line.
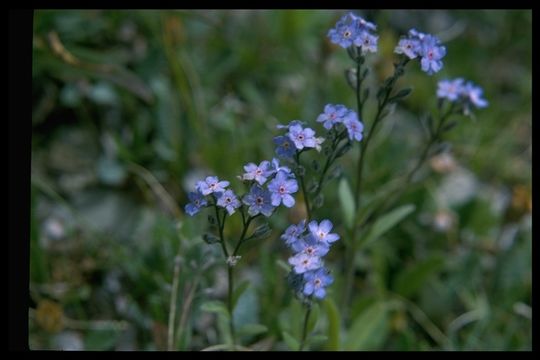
pixel 369 330
pixel 346 200
pixel 412 279
pixel 386 222
pixel 332 313
pixel 239 291
pixel 403 93
pixel 215 306
pixel 291 342
pixel 252 330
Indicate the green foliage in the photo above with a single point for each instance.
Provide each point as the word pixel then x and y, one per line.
pixel 129 108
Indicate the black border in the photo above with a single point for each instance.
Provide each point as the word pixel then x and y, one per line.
pixel 20 115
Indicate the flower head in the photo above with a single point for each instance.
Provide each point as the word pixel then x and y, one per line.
pixel 302 138
pixel 321 232
pixel 281 188
pixel 353 30
pixel 425 46
pixel 316 282
pixel 466 94
pixel 303 262
pixel 259 201
pixel 473 95
pixel 211 185
pixel 258 173
pixel 367 42
pixel 294 233
pixel 408 47
pixel 354 126
pixel 229 201
pixel 310 246
pixel 197 201
pixel 308 277
pixel 450 89
pixel 333 114
pixel 285 147
pixel 431 52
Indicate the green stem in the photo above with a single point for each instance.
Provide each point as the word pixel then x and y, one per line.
pixel 230 268
pixel 387 89
pixel 304 190
pixel 243 235
pixel 359 81
pixel 221 226
pixel 304 329
pixel 394 197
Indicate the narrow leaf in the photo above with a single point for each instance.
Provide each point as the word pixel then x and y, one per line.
pixel 252 330
pixel 386 222
pixel 332 313
pixel 346 201
pixel 239 291
pixel 369 329
pixel 291 342
pixel 215 306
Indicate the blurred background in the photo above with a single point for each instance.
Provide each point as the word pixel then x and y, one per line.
pixel 131 107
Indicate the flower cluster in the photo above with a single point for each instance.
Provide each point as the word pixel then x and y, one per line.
pixel 427 47
pixel 339 114
pixel 309 244
pixel 459 91
pixel 353 30
pixel 298 137
pixel 280 185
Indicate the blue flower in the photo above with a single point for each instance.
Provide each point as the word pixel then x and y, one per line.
pixel 409 47
pixel 211 185
pixel 354 127
pixel 302 262
pixel 425 46
pixel 367 42
pixel 281 187
pixel 229 201
pixel 321 232
pixel 353 30
pixel 343 34
pixel 293 233
pixel 197 201
pixel 333 114
pixel 432 53
pixel 362 24
pixel 285 147
pixel 302 138
pixel 310 246
pixel 258 173
pixel 259 201
pixel 450 89
pixel 473 95
pixel 316 282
